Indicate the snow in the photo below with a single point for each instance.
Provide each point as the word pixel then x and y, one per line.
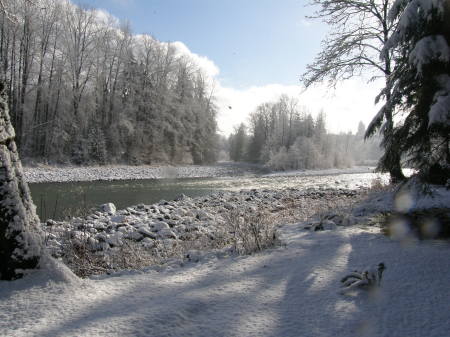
pixel 288 291
pixel 186 222
pixel 428 49
pixel 42 174
pixel 440 109
pixel 414 11
pixel 410 197
pixel 322 172
pixel 108 208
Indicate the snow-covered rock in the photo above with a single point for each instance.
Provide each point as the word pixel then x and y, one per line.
pixel 109 208
pixel 118 219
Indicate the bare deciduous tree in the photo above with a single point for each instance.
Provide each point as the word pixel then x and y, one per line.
pixel 360 28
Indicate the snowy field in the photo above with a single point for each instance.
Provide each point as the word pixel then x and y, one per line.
pixel 289 291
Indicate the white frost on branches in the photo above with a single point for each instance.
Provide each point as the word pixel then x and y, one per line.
pixel 415 11
pixel 440 110
pixel 429 49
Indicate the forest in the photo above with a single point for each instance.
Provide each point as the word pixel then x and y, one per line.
pixel 84 90
pixel 283 135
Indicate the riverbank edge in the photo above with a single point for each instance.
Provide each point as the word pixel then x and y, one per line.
pixel 53 174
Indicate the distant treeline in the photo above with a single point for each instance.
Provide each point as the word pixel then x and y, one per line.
pixel 284 136
pixel 83 89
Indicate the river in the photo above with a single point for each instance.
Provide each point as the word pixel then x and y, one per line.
pixel 61 200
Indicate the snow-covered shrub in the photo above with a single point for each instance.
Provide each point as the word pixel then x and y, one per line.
pixel 80 255
pixel 280 160
pixel 251 232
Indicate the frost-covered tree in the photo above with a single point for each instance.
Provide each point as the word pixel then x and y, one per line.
pixel 239 143
pixel 20 240
pixel 359 30
pixel 420 84
pixel 283 136
pixel 72 73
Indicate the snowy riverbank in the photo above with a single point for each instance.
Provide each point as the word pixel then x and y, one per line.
pixel 290 290
pixel 44 174
pixel 169 228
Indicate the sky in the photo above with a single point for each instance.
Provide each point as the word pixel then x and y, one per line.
pixel 254 50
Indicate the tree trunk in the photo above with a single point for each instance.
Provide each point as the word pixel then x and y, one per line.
pixel 20 237
pixel 392 155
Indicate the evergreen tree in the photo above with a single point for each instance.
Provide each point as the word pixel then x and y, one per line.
pixel 20 240
pixel 238 144
pixel 420 85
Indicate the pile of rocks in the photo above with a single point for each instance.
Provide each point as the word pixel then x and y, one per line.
pixel 166 224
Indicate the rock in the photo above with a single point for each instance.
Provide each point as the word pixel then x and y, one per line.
pixel 158 226
pixel 109 208
pixel 148 243
pixel 51 236
pixel 146 233
pixel 100 226
pixel 229 206
pixel 115 239
pixel 172 223
pixel 203 216
pixel 167 233
pixel 51 223
pixel 94 244
pixel 118 219
pixel 181 197
pixel 101 237
pixel 138 213
pixel 136 236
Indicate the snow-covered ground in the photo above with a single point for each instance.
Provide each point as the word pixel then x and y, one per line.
pixel 170 228
pixel 288 291
pixel 42 174
pixel 332 171
pixel 291 290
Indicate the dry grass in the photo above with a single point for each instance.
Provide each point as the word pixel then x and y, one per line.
pixel 252 232
pixel 245 231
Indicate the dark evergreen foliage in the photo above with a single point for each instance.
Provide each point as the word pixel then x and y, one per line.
pixel 421 88
pixel 20 239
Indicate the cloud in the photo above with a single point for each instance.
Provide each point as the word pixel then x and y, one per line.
pixel 208 67
pixel 351 102
pixel 105 18
pixel 236 105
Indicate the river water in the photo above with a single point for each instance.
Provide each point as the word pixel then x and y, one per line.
pixel 61 200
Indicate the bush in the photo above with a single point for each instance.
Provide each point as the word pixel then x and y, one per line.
pixel 251 232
